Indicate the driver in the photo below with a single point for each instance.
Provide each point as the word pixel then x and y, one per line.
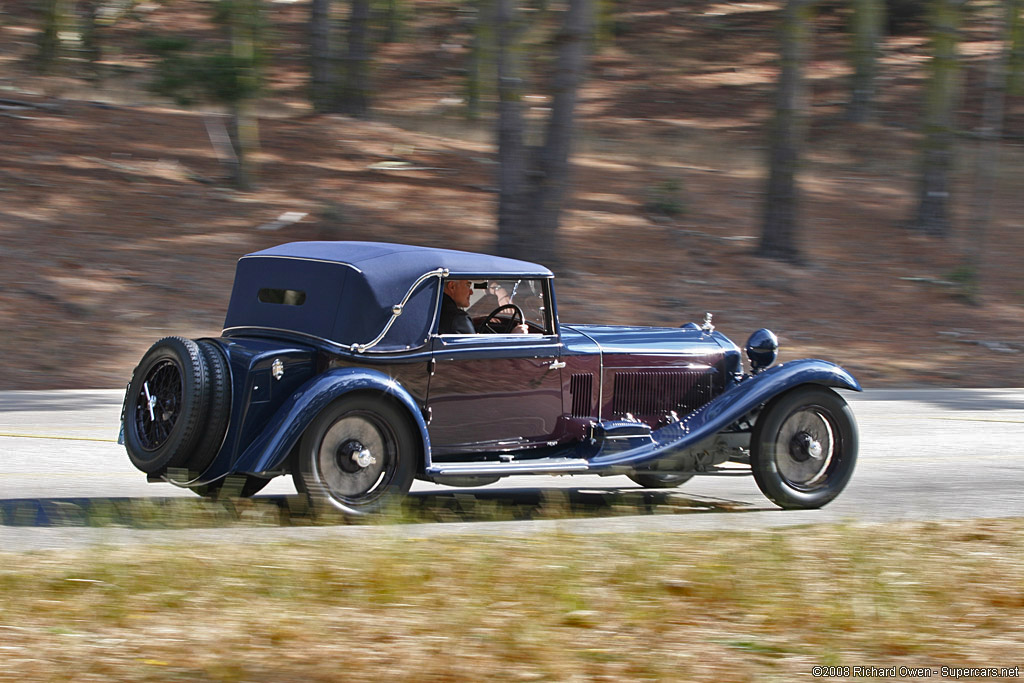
pixel 454 301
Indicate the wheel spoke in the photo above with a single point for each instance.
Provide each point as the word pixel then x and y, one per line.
pixel 157 406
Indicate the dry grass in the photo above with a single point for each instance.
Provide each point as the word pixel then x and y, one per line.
pixel 741 606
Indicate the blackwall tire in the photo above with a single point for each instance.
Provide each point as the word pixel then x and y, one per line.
pixel 328 469
pixel 804 447
pixel 653 480
pixel 218 400
pixel 165 406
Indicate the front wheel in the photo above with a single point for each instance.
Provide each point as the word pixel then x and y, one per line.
pixel 357 456
pixel 804 448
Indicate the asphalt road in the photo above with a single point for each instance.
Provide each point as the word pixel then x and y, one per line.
pixel 926 454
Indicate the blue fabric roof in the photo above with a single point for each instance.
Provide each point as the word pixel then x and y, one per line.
pixel 350 287
pixel 385 261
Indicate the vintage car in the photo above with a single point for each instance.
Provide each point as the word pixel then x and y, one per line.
pixel 333 367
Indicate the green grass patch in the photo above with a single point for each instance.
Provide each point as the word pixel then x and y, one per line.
pixel 726 606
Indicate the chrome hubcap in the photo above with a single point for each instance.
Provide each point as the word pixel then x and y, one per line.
pixel 805 447
pixel 347 460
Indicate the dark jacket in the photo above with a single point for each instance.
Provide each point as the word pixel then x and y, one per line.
pixel 454 320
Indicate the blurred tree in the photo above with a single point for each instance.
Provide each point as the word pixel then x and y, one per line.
pixel 936 160
pixel 228 74
pixel 354 95
pixel 785 138
pixel 480 58
pixel 321 58
pixel 533 180
pixel 513 236
pixel 244 21
pixel 1015 65
pixel 868 21
pixel 905 17
pixel 56 18
pixel 392 16
pixel 987 156
pixel 340 81
pixel 606 25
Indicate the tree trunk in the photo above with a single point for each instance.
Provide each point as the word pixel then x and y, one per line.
pixel 323 81
pixel 514 237
pixel 87 11
pixel 533 182
pixel 932 217
pixel 1015 66
pixel 479 59
pixel 551 181
pixel 245 20
pixel 778 236
pixel 392 22
pixel 987 159
pixel 55 21
pixel 355 94
pixel 868 20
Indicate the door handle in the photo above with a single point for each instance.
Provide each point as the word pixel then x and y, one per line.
pixel 556 365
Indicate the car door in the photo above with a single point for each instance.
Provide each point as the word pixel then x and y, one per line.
pixel 495 392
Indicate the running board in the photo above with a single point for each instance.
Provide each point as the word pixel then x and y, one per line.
pixel 535 466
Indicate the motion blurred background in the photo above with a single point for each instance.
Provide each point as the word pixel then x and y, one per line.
pixel 845 173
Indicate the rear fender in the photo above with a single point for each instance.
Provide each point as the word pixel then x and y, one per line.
pixel 270 449
pixel 730 406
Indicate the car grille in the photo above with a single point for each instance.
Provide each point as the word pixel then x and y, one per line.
pixel 655 393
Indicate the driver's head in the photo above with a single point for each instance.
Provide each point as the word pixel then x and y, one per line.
pixel 460 291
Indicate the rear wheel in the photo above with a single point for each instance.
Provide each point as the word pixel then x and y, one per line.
pixel 357 456
pixel 804 447
pixel 655 480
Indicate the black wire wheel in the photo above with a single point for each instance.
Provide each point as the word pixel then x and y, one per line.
pixel 659 480
pixel 804 447
pixel 358 456
pixel 165 405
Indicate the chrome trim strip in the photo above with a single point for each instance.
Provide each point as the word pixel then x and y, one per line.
pixel 566 466
pixel 244 328
pixel 302 258
pixel 397 309
pixel 335 347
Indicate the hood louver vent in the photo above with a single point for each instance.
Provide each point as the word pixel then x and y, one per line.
pixel 582 387
pixel 654 393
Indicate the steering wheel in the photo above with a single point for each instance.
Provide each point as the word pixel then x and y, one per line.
pixel 494 324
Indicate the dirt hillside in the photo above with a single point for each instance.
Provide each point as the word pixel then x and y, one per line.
pixel 117 226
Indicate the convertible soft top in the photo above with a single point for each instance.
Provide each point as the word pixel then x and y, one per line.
pixel 345 292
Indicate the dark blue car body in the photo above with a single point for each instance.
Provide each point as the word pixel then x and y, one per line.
pixel 331 367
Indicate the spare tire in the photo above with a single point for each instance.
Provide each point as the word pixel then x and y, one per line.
pixel 166 404
pixel 218 401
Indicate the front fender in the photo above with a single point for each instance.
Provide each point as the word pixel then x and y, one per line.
pixel 730 406
pixel 270 449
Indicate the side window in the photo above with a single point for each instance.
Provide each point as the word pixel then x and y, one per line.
pixel 498 294
pixel 288 297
